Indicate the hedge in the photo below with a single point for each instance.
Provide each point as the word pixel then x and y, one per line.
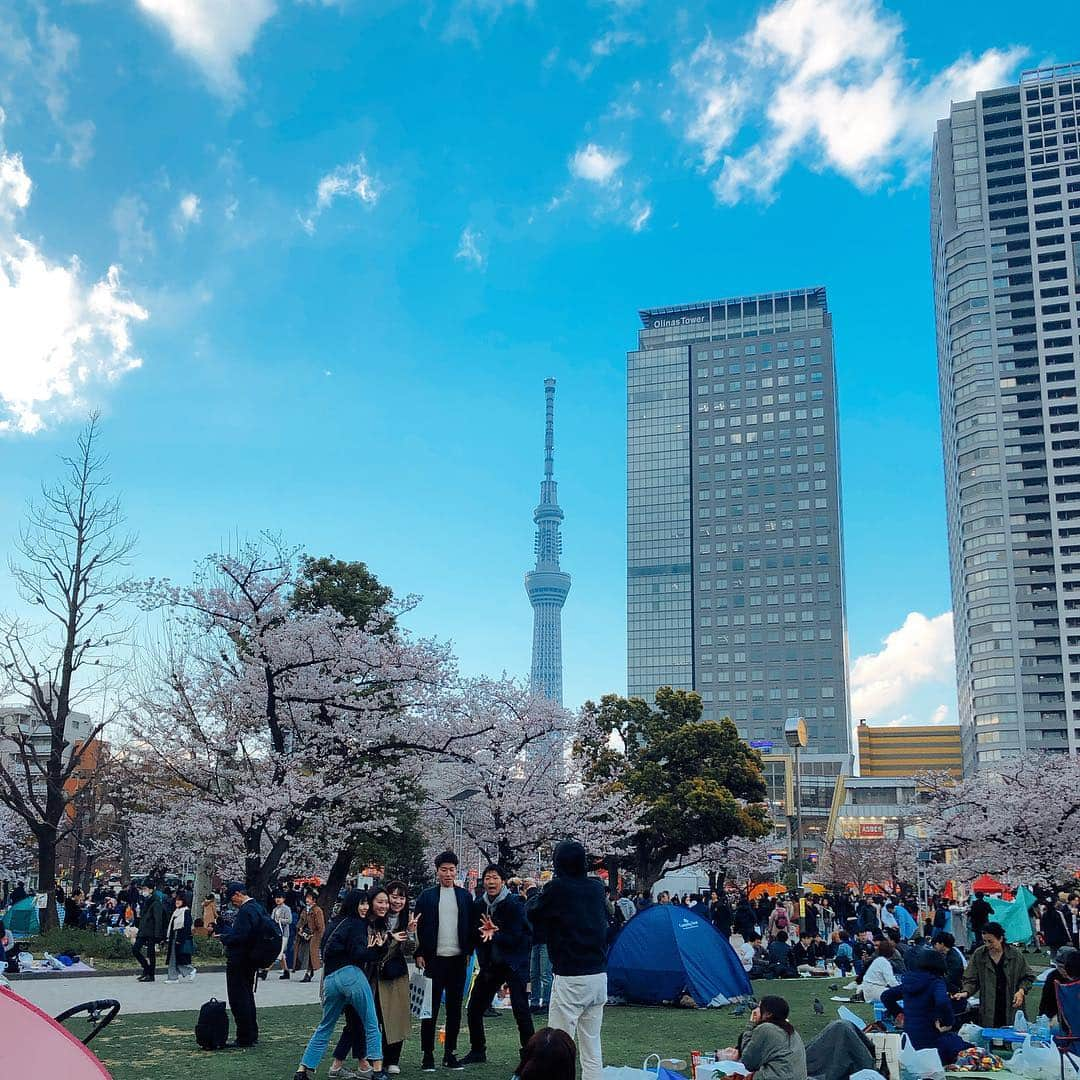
pixel 86 943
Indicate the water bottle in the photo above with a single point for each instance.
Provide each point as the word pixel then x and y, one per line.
pixel 1040 1030
pixel 1020 1023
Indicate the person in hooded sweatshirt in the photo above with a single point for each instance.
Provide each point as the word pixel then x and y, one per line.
pixel 927 1008
pixel 348 950
pixel 571 914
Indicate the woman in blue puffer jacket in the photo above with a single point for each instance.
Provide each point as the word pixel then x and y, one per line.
pixel 928 1017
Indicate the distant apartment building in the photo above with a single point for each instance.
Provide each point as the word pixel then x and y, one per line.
pixel 906 751
pixel 18 722
pixel 1005 238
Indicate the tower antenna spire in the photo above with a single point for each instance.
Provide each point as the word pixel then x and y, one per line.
pixel 547 584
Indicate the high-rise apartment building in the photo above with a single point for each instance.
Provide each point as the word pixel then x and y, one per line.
pixel 547 584
pixel 735 575
pixel 1005 235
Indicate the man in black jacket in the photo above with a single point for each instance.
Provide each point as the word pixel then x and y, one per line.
pixel 502 939
pixel 979 915
pixel 572 915
pixel 443 944
pixel 239 970
pixel 150 934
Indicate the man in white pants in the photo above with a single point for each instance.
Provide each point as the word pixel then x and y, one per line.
pixel 571 915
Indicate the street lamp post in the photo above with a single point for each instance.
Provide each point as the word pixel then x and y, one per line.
pixel 795 736
pixel 458 801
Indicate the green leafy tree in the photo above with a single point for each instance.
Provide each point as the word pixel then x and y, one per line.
pixel 695 782
pixel 350 588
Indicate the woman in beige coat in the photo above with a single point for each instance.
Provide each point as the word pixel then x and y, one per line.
pixel 307 953
pixel 392 987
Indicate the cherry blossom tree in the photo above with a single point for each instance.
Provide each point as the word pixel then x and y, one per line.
pixel 863 861
pixel 16 847
pixel 269 727
pixel 741 860
pixel 527 792
pixel 1019 822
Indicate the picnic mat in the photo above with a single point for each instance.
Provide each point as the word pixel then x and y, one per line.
pixel 41 968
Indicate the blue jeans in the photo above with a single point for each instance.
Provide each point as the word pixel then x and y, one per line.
pixel 540 976
pixel 347 986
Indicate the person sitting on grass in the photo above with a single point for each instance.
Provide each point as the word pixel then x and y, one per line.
pixel 779 954
pixel 927 1017
pixel 879 974
pixel 1066 969
pixel 770 1048
pixel 549 1055
pixel 840 950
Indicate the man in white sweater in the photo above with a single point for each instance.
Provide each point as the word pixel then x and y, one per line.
pixel 444 936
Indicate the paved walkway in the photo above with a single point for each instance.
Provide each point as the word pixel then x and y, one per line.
pixel 54 995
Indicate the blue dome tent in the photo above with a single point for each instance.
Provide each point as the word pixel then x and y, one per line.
pixel 667 950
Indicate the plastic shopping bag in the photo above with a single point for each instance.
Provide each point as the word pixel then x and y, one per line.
pixel 625 1072
pixel 919 1064
pixel 420 995
pixel 1036 1062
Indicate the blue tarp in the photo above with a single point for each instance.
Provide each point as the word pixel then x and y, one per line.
pixel 667 950
pixel 905 923
pixel 1013 916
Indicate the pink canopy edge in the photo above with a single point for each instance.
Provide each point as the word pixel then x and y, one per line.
pixel 43 1047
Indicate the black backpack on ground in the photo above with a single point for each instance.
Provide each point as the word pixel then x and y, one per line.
pixel 212 1027
pixel 265 945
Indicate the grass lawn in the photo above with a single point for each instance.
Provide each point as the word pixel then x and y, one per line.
pixel 162 1045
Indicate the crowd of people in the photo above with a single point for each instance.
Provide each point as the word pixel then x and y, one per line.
pixel 545 949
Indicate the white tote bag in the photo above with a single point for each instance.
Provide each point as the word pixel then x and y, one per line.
pixel 420 995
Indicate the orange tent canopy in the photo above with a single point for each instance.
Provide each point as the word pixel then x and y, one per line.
pixel 985 883
pixel 767 888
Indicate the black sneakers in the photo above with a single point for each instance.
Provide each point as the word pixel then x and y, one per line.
pixel 428 1064
pixel 474 1057
pixel 450 1062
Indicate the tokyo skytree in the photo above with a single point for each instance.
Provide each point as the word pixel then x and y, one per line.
pixel 547 585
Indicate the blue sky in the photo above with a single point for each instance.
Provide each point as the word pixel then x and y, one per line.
pixel 350 239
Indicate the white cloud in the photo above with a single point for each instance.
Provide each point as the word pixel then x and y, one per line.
pixel 345 182
pixel 601 169
pixel 129 222
pixel 640 212
pixel 60 338
pixel 188 212
pixel 468 17
pixel 597 165
pixel 919 652
pixel 469 248
pixel 41 59
pixel 828 82
pixel 212 33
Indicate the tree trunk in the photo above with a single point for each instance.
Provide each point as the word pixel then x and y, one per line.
pixel 339 872
pixel 611 864
pixel 46 845
pixel 204 882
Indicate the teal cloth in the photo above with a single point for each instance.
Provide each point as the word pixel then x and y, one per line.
pixel 1013 916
